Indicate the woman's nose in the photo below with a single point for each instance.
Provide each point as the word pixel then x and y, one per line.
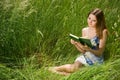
pixel 90 21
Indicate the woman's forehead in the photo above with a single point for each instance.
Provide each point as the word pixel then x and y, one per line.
pixel 92 16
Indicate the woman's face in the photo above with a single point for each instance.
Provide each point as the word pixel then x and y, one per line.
pixel 92 21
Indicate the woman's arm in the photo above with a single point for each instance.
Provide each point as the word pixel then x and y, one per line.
pixel 101 45
pixel 78 45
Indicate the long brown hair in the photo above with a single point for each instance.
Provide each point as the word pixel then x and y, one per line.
pixel 101 25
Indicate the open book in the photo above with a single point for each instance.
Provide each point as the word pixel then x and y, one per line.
pixel 82 40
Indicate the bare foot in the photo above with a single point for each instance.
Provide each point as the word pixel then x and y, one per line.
pixel 64 73
pixel 53 69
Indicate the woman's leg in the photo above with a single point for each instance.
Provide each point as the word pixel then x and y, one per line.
pixel 58 72
pixel 67 68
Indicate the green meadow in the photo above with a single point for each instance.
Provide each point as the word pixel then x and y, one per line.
pixel 34 35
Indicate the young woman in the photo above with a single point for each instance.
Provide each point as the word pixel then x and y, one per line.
pixel 97 33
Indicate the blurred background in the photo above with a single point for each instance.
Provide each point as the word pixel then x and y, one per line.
pixel 34 35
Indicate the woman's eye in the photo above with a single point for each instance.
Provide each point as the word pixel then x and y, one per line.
pixel 94 20
pixel 89 18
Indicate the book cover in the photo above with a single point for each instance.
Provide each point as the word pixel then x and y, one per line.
pixel 82 40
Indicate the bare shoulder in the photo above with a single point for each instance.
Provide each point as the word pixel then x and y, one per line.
pixel 85 29
pixel 105 32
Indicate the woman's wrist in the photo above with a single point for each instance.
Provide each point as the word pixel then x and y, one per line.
pixel 90 50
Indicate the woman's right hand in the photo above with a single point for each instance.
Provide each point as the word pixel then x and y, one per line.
pixel 78 45
pixel 73 42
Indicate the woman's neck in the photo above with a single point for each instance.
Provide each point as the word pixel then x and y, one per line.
pixel 92 28
pixel 91 32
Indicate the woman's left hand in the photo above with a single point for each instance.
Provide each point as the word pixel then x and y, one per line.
pixel 86 48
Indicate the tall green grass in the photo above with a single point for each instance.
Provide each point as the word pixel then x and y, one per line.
pixel 34 35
